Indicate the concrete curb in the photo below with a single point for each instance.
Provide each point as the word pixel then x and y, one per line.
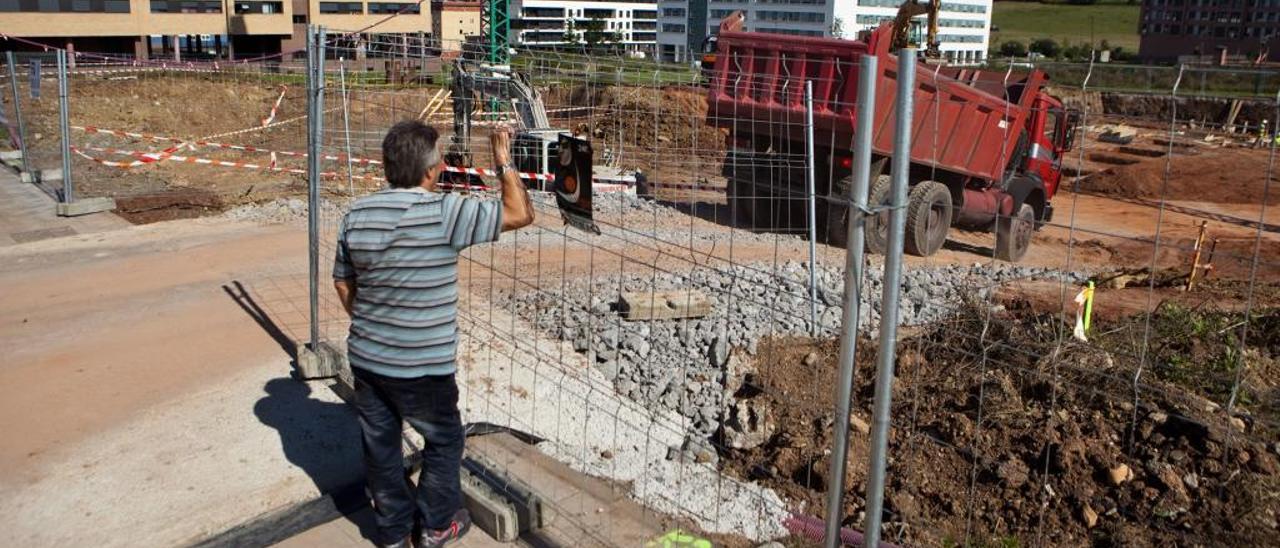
pixel 290 520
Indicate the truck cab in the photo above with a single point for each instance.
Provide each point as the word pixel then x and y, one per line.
pixel 1052 128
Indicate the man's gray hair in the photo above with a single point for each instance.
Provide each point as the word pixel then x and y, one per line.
pixel 408 151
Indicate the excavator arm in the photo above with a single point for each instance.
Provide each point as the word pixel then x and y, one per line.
pixel 498 83
pixel 902 25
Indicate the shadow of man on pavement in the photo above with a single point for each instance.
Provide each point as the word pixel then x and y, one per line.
pixel 323 439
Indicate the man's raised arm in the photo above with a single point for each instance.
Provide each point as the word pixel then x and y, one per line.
pixel 517 208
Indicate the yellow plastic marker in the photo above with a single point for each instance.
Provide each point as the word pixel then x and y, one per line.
pixel 676 538
pixel 1088 306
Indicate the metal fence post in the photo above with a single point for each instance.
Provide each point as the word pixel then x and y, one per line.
pixel 901 162
pixel 315 115
pixel 68 191
pixel 852 293
pixel 812 213
pixel 17 112
pixel 346 125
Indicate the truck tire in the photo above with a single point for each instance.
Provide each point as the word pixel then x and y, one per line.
pixel 1013 234
pixel 740 192
pixel 877 226
pixel 928 218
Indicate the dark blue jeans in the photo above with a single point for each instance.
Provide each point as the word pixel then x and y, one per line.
pixel 430 405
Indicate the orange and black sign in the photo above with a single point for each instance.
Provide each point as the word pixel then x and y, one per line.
pixel 573 183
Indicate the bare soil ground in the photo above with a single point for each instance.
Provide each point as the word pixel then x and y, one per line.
pixel 217 109
pixel 1006 447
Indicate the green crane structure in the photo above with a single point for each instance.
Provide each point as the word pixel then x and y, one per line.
pixel 495 27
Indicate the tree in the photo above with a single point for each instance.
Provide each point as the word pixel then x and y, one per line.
pixel 571 34
pixel 593 32
pixel 1076 52
pixel 1046 47
pixel 1013 48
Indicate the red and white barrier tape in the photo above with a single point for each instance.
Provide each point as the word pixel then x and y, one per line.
pixel 144 158
pixel 272 116
pixel 245 148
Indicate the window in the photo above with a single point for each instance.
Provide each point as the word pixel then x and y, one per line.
pixel 65 6
pixel 960 38
pixel 543 12
pixel 341 7
pixel 674 12
pixel 946 6
pixel 259 7
pixel 799 17
pixel 669 27
pixel 394 7
pixel 1051 126
pixel 645 14
pixel 186 6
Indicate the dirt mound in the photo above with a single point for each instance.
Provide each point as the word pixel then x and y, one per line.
pixel 168 206
pixel 1008 448
pixel 1222 176
pixel 653 124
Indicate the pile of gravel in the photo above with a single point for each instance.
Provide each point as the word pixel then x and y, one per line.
pixel 284 210
pixel 684 365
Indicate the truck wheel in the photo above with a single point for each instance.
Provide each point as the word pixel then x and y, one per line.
pixel 877 226
pixel 1013 234
pixel 835 216
pixel 928 218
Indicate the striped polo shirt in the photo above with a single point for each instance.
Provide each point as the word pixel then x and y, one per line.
pixel 401 246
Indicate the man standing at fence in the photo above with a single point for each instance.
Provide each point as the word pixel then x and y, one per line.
pixel 396 273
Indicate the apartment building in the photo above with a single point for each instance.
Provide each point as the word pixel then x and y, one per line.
pixel 1209 29
pixel 964 25
pixel 224 29
pixel 682 29
pixel 631 25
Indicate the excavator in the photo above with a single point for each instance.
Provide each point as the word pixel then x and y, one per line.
pixel 534 145
pixel 901 32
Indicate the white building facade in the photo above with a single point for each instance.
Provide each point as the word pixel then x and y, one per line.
pixel 632 25
pixel 964 26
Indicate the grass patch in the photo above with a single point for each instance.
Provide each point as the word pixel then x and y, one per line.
pixel 1026 21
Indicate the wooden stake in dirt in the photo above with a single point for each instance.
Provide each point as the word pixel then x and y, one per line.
pixel 1196 265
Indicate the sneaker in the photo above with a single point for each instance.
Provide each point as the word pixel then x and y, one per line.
pixel 402 543
pixel 434 538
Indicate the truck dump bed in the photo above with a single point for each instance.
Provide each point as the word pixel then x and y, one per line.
pixel 967 121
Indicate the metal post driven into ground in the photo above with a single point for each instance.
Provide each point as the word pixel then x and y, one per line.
pixel 64 126
pixel 889 300
pixel 812 213
pixel 315 108
pixel 346 125
pixel 852 294
pixel 17 112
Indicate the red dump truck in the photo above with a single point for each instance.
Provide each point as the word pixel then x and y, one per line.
pixel 986 150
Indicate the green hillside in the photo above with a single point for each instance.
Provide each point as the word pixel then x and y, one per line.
pixel 1117 23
